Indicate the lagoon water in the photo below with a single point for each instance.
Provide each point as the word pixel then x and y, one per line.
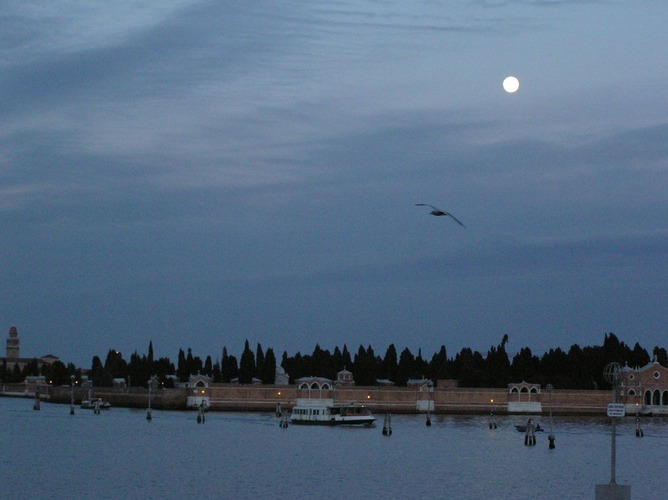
pixel 119 454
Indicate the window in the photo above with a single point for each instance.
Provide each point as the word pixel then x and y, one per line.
pixel 632 392
pixel 657 375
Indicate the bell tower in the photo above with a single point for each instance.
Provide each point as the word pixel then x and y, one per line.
pixel 13 344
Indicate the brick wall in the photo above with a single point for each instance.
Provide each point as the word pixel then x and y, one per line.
pixel 379 399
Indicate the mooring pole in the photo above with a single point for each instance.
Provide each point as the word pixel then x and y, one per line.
pixel 71 394
pixel 613 438
pixel 550 438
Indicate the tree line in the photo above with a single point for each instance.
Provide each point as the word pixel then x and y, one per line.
pixel 577 368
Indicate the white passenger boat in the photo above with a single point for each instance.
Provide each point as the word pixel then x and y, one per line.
pixel 327 412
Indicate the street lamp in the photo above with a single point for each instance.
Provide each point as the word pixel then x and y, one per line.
pixel 492 422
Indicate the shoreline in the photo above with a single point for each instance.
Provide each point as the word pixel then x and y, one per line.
pixel 261 398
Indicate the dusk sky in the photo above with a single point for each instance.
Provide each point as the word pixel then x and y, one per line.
pixel 199 173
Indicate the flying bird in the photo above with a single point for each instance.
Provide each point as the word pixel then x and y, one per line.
pixel 438 212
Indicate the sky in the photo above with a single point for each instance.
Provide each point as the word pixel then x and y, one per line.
pixel 202 173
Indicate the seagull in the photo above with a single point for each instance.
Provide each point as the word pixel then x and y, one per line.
pixel 438 212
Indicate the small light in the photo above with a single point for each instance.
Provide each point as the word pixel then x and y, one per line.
pixel 279 393
pixel 368 396
pixel 202 391
pixel 491 400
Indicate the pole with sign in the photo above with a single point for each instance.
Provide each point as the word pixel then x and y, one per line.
pixel 612 375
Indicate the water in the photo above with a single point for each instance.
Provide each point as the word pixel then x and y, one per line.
pixel 118 454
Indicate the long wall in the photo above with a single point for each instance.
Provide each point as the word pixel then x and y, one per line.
pixel 230 397
pixel 405 400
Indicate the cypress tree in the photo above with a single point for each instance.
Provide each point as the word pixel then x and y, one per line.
pixel 149 359
pixel 181 368
pixel 246 365
pixel 439 365
pixel 259 362
pixel 225 373
pixel 406 367
pixel 269 373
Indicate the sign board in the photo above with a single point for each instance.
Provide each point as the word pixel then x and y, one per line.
pixel 616 410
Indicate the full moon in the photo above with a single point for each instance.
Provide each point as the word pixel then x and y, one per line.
pixel 511 84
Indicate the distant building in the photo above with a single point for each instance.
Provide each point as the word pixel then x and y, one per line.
pixel 120 383
pixel 519 398
pixel 282 378
pixel 421 384
pixel 13 344
pixel 198 391
pixel 199 381
pixel 344 377
pixel 645 389
pixel 13 352
pixel 313 386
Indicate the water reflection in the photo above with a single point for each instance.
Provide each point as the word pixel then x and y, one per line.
pixel 119 454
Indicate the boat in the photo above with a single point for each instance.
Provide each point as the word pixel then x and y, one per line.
pixel 327 412
pixel 93 403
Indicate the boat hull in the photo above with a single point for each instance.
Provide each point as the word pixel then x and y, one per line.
pixel 359 422
pixel 90 405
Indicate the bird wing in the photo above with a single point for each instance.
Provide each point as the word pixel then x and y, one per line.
pixel 427 205
pixel 456 219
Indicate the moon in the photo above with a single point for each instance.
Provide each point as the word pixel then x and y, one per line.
pixel 511 84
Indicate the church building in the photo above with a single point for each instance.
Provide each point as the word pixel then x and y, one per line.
pixel 13 354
